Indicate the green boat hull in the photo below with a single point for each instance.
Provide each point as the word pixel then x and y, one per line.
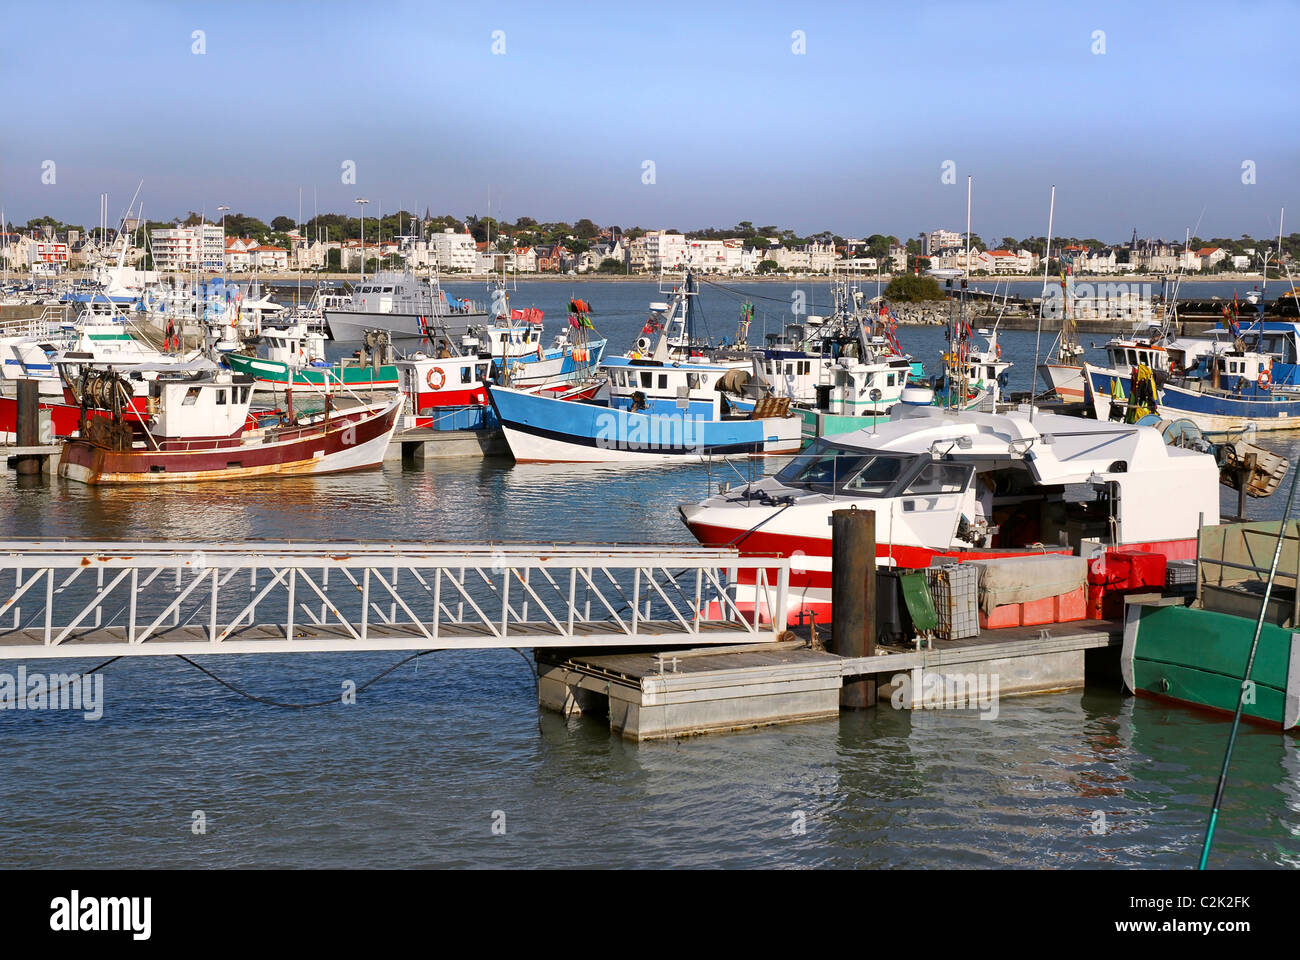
pixel 275 375
pixel 818 424
pixel 1199 657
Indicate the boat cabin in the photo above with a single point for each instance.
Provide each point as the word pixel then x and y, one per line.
pixel 655 386
pixel 1002 481
pixel 194 408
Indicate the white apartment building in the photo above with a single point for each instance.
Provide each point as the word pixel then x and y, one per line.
pixel 450 250
pixel 1003 262
pixel 200 247
pixel 665 251
pixel 955 259
pixel 710 256
pixel 270 258
pixel 810 258
pixel 47 257
pixel 937 240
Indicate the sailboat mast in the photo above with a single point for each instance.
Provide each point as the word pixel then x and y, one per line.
pixel 1042 301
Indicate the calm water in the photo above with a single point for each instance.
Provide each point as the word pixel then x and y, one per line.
pixel 412 774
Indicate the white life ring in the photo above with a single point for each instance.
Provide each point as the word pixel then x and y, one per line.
pixel 436 378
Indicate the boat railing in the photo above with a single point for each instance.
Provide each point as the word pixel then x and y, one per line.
pixel 44 324
pixel 1235 553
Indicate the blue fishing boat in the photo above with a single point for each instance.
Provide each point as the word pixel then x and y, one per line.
pixel 1238 376
pixel 657 410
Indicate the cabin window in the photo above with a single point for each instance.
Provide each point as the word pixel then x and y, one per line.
pixel 221 398
pixel 647 379
pixel 466 374
pixel 663 381
pixel 789 369
pixel 825 468
pixel 804 367
pixel 692 381
pixel 889 380
pixel 938 477
pixel 191 397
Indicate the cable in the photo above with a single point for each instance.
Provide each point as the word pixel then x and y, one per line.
pixel 79 676
pixel 300 706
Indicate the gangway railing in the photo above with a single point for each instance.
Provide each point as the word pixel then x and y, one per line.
pixel 92 599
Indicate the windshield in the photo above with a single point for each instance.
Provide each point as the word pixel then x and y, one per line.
pixel 827 468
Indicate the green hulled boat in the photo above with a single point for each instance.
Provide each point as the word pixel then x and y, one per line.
pixel 1198 657
pixel 276 375
pixel 293 359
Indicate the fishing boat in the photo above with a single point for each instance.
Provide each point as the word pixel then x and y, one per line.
pixel 403 305
pixel 836 369
pixel 1063 372
pixel 1198 658
pixel 295 360
pixel 448 393
pixel 1196 655
pixel 658 410
pixel 200 428
pixel 969 485
pixel 972 379
pixel 1227 392
pixel 515 344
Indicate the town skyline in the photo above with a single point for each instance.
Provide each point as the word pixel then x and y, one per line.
pixel 237 216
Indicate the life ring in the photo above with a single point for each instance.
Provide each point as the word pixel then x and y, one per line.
pixel 999 349
pixel 1266 378
pixel 435 378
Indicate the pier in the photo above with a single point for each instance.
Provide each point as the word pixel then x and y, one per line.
pixel 648 636
pixel 648 694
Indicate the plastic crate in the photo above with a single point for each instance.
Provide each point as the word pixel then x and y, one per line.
pixel 954 588
pixel 1180 573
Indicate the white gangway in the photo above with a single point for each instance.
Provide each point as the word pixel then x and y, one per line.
pixel 108 599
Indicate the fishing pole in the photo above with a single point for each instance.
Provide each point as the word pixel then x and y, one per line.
pixel 1245 680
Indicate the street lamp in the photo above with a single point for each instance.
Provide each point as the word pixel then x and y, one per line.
pixel 222 210
pixel 361 204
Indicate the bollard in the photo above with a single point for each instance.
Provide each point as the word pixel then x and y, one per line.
pixel 853 597
pixel 29 426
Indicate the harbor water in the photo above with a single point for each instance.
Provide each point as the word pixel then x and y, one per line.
pixel 448 761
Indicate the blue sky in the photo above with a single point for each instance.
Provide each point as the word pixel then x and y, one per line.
pixel 850 136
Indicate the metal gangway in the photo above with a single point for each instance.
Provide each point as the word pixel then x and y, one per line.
pixel 109 599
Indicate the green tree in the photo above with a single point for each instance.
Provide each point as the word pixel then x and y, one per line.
pixel 282 224
pixel 910 288
pixel 585 229
pixel 770 266
pixel 610 265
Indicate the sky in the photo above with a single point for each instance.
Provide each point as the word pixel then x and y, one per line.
pixel 811 116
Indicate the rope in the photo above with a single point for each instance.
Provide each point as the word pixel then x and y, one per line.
pixel 79 676
pixel 300 706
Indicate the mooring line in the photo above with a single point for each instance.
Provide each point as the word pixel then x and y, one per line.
pixel 300 706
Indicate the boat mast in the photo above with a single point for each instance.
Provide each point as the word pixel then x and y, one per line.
pixel 1042 301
